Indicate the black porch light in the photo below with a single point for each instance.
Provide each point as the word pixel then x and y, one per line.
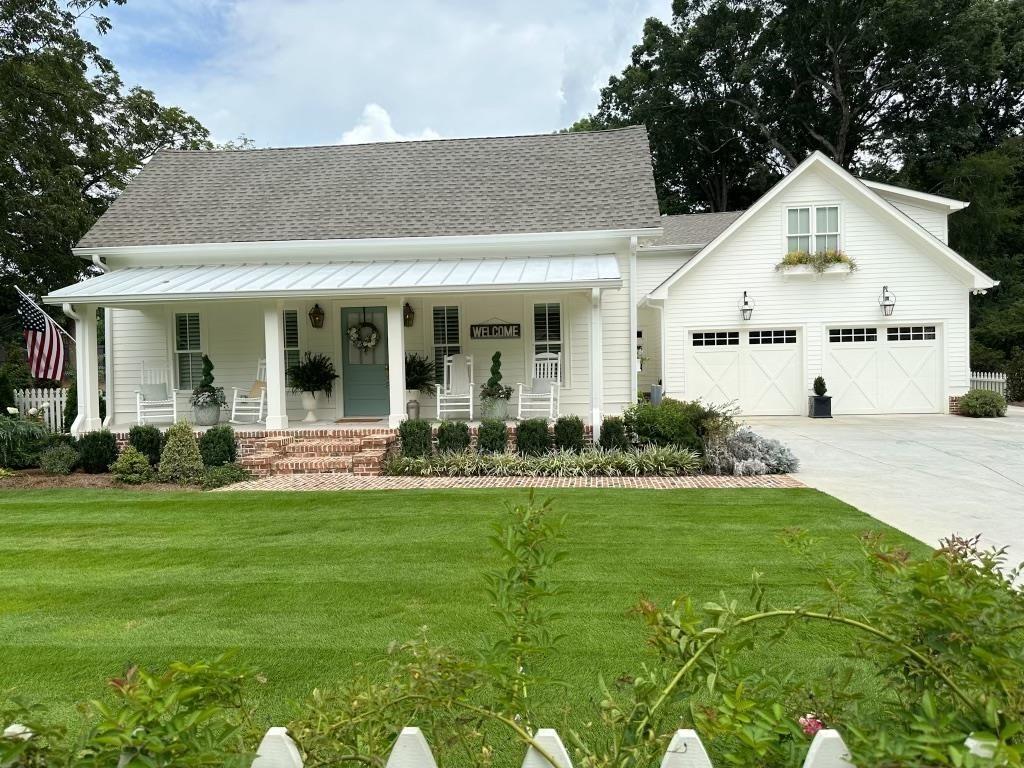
pixel 316 316
pixel 408 315
pixel 746 306
pixel 887 301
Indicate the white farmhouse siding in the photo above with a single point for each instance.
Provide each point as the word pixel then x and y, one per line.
pixel 927 289
pixel 933 220
pixel 137 336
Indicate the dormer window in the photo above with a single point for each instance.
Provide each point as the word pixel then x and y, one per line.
pixel 812 229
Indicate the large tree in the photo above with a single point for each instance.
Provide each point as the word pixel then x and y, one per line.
pixel 71 137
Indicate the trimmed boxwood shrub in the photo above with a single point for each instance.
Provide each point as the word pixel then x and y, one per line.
pixel 147 440
pixel 97 451
pixel 132 467
pixel 493 437
pixel 58 459
pixel 613 434
pixel 415 436
pixel 452 436
pixel 982 403
pixel 533 437
pixel 671 423
pixel 181 461
pixel 218 446
pixel 569 434
pixel 226 474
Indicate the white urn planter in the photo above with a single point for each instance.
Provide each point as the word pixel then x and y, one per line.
pixel 309 404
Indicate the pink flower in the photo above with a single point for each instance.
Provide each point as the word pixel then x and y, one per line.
pixel 810 723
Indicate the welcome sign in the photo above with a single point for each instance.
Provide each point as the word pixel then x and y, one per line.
pixel 495 331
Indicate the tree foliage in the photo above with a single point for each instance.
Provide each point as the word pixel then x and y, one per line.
pixel 72 135
pixel 923 93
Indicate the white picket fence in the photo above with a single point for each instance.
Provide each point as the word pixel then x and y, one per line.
pixel 53 413
pixel 277 750
pixel 996 382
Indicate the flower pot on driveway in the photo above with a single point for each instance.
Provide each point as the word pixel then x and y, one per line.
pixel 819 406
pixel 205 415
pixel 309 404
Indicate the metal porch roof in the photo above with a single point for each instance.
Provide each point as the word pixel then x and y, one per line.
pixel 340 278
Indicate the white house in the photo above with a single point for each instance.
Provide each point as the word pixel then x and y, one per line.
pixel 556 239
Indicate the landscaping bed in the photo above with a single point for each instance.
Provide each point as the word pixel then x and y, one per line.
pixel 36 479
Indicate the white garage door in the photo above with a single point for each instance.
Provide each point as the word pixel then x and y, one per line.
pixel 896 369
pixel 761 371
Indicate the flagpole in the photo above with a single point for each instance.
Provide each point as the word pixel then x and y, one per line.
pixel 55 323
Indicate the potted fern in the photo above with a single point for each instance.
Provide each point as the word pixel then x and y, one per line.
pixel 493 396
pixel 206 398
pixel 819 405
pixel 312 374
pixel 420 378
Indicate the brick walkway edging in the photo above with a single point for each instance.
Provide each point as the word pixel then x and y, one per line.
pixel 347 482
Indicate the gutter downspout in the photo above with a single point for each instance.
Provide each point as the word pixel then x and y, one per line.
pixel 634 367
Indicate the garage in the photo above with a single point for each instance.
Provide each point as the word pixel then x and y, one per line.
pixel 760 370
pixel 894 369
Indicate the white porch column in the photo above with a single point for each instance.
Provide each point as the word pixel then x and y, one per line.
pixel 86 370
pixel 596 360
pixel 273 336
pixel 396 362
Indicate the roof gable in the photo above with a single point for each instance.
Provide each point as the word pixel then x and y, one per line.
pixel 575 182
pixel 978 279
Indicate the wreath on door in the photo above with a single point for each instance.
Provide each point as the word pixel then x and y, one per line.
pixel 364 336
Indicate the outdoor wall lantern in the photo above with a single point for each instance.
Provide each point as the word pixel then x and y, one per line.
pixel 887 301
pixel 316 316
pixel 408 315
pixel 746 306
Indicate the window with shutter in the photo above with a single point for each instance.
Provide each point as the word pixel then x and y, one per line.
pixel 188 350
pixel 290 318
pixel 547 328
pixel 446 336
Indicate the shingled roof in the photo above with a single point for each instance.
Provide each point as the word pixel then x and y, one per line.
pixel 568 182
pixel 693 228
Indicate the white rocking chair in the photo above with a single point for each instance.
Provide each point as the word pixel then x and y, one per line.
pixel 250 403
pixel 455 395
pixel 540 399
pixel 155 398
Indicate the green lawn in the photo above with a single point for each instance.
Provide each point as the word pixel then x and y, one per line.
pixel 308 584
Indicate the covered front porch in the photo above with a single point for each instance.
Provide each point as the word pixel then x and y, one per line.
pixel 167 318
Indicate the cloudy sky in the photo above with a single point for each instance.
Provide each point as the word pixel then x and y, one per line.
pixel 290 72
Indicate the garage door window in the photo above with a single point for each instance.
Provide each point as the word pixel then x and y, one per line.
pixel 911 333
pixel 842 335
pixel 772 337
pixel 716 338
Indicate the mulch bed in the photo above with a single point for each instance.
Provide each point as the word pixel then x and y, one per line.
pixel 34 479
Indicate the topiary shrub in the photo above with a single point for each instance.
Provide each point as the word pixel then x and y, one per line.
pixel 225 474
pixel 132 467
pixel 569 434
pixel 452 436
pixel 533 437
pixel 672 422
pixel 1015 377
pixel 97 451
pixel 415 438
pixel 59 459
pixel 147 440
pixel 180 461
pixel 493 437
pixel 218 446
pixel 982 404
pixel 613 435
pixel 819 386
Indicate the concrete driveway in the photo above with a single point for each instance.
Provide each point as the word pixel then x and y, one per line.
pixel 928 476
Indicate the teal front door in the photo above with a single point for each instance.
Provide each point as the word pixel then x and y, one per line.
pixel 364 370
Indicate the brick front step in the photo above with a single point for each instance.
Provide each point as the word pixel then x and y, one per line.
pixel 313 448
pixel 309 466
pixel 314 452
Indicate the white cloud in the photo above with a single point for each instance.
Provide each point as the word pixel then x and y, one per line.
pixel 375 125
pixel 299 72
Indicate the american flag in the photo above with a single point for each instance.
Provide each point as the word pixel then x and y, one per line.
pixel 42 341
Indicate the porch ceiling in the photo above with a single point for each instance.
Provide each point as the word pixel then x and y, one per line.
pixel 341 278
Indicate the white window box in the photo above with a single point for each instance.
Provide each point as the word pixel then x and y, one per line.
pixel 801 270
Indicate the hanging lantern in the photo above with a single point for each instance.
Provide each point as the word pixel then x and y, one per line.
pixel 746 306
pixel 887 301
pixel 316 316
pixel 408 315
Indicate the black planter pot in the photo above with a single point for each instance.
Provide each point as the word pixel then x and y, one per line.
pixel 819 406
